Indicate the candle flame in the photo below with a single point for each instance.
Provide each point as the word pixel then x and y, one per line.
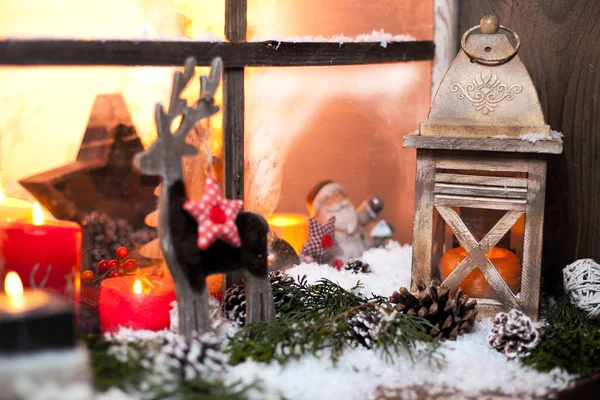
pixel 12 285
pixel 38 216
pixel 137 287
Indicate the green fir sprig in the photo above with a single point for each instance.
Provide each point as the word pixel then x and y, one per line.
pixel 570 340
pixel 131 375
pixel 312 318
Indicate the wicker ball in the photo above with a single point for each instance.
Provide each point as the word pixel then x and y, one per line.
pixel 582 284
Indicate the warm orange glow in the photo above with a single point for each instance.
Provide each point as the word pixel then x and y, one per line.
pixel 201 16
pixel 475 285
pixel 38 216
pixel 286 220
pixel 214 284
pixel 137 287
pixel 12 209
pixel 293 228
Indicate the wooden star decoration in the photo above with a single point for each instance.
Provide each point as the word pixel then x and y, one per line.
pixel 102 177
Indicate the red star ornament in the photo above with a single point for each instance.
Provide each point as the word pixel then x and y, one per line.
pixel 215 216
pixel 321 244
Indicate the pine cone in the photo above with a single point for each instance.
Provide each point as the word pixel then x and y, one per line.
pixel 190 359
pixel 362 327
pixel 107 235
pixel 234 301
pixel 234 304
pixel 451 315
pixel 280 278
pixel 357 266
pixel 101 229
pixel 513 334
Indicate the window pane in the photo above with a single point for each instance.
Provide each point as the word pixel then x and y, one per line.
pixel 46 112
pixel 113 19
pixel 304 125
pixel 272 18
pixel 67 140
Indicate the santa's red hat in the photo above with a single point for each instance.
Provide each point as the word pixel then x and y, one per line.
pixel 319 193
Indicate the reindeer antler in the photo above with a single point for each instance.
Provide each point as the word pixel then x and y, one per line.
pixel 171 145
pixel 178 106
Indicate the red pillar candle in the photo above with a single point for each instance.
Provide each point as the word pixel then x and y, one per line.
pixel 45 254
pixel 138 303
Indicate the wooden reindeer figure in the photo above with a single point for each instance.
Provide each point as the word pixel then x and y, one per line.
pixel 188 254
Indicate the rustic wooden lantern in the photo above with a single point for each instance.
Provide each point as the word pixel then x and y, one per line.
pixel 482 151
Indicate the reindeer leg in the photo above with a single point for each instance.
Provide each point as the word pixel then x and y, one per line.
pixel 253 257
pixel 259 298
pixel 193 309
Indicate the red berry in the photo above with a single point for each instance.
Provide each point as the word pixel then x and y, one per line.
pixel 102 266
pixel 327 242
pixel 113 264
pixel 217 215
pixel 338 264
pixel 87 275
pixel 130 265
pixel 115 273
pixel 122 252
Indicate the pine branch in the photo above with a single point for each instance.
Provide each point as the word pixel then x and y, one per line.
pixel 312 318
pixel 570 341
pixel 133 375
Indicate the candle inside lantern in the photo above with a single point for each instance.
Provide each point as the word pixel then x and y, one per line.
pixel 138 303
pixel 293 228
pixel 12 209
pixel 44 253
pixel 475 285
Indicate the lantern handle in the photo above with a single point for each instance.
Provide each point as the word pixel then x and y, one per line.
pixel 490 61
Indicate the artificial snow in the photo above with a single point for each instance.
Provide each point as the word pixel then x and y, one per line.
pixel 390 267
pixel 466 367
pixel 556 134
pixel 534 137
pixel 115 394
pixel 46 375
pixel 375 36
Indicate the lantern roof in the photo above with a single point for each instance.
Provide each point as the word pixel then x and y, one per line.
pixel 487 92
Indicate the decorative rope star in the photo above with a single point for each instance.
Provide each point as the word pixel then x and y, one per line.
pixel 215 215
pixel 321 244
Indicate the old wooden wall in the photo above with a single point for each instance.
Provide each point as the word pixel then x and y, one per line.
pixel 561 49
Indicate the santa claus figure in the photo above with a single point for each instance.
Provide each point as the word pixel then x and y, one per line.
pixel 328 199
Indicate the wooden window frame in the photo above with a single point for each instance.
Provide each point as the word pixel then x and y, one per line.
pixel 236 54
